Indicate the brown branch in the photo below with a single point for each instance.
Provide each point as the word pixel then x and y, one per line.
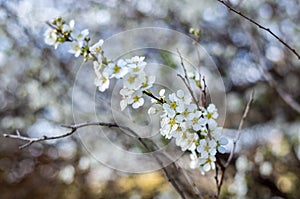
pixel 186 80
pixel 217 181
pixel 285 96
pixel 191 182
pixel 30 141
pixel 222 166
pixel 261 27
pixel 74 128
pixel 202 97
pixel 154 97
pixel 183 67
pixel 189 88
pixel 237 137
pixel 203 92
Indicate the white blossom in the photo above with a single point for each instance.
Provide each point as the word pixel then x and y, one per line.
pixel 136 64
pixel 154 109
pixel 189 110
pixel 68 27
pixel 75 48
pixel 174 106
pixel 207 147
pixel 118 70
pixel 126 95
pixel 207 162
pixel 96 48
pixel 212 112
pixel 136 99
pixel 212 124
pixel 180 130
pixel 148 82
pixel 168 126
pixel 194 128
pixel 196 120
pixel 186 99
pixel 81 36
pixel 198 79
pixel 51 37
pixel 186 140
pixel 133 80
pixel 102 81
pixel 78 42
pixel 220 140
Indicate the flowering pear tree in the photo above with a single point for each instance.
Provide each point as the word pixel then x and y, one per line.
pixel 186 115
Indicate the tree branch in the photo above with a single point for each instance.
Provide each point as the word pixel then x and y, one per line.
pixel 222 166
pixel 75 127
pixel 186 80
pixel 146 92
pixel 189 88
pixel 284 95
pixel 261 27
pixel 238 135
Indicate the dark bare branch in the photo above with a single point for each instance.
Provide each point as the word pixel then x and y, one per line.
pixel 261 27
pixel 283 94
pixel 75 127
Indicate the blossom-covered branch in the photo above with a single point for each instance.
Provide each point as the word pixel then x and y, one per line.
pixel 193 126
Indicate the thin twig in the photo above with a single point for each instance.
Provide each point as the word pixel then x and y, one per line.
pixel 186 80
pixel 203 95
pixel 154 97
pixel 217 182
pixel 183 67
pixel 30 141
pixel 73 128
pixel 237 137
pixel 260 26
pixel 222 166
pixel 189 88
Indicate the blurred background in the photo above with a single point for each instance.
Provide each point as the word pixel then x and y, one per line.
pixel 37 83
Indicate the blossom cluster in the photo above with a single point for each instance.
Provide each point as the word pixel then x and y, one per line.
pixel 60 32
pixel 135 80
pixel 193 127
